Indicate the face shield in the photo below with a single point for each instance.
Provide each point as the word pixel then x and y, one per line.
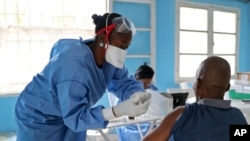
pixel 123 25
pixel 114 55
pixel 120 25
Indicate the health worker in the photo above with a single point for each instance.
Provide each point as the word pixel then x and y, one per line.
pixel 57 105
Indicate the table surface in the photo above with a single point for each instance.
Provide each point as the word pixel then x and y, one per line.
pixel 234 82
pixel 123 121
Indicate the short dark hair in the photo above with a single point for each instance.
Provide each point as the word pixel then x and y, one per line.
pixel 100 20
pixel 144 72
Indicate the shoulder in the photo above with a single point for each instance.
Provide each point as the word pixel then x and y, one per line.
pixel 64 43
pixel 71 56
pixel 239 116
pixel 175 114
pixel 71 49
pixel 162 132
pixel 132 77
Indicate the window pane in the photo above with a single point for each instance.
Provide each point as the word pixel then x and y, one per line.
pixel 58 7
pixel 231 61
pixel 189 64
pixel 3 63
pixel 12 34
pixel 138 47
pixel 224 44
pixel 140 20
pixel 11 20
pixel 2 20
pixel 35 20
pixel 193 42
pixel 23 7
pixel 193 19
pixel 10 6
pixel 31 27
pixel 23 20
pixel 25 61
pixel 10 64
pixel 46 21
pixel 2 5
pixel 68 11
pixel 224 22
pixel 24 34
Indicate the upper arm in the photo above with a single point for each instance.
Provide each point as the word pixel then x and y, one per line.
pixel 76 93
pixel 74 105
pixel 162 132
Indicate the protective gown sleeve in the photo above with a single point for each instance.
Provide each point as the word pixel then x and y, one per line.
pixel 60 46
pixel 122 85
pixel 153 87
pixel 77 114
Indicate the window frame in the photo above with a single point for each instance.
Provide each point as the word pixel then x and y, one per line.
pixel 211 8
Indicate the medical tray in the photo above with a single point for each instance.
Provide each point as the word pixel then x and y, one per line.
pixel 239 95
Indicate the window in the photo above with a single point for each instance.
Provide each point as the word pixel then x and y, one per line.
pixel 28 29
pixel 143 47
pixel 203 31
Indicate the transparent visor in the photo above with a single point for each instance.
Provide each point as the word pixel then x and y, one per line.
pixel 123 25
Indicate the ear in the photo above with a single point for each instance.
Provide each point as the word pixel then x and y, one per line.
pixel 228 87
pixel 197 89
pixel 198 83
pixel 101 37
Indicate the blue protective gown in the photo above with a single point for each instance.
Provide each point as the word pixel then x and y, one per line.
pixel 131 132
pixel 56 104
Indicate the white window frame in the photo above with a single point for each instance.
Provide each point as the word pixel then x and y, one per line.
pixel 210 9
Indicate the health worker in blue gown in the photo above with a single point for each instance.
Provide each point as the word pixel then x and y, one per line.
pixel 144 74
pixel 57 105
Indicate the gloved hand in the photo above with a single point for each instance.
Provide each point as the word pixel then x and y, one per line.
pixel 131 107
pixel 137 104
pixel 140 97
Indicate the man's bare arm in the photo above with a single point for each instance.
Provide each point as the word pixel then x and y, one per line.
pixel 162 132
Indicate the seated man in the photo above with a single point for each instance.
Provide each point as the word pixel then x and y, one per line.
pixel 210 117
pixel 130 133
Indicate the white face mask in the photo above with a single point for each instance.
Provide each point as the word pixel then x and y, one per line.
pixel 115 56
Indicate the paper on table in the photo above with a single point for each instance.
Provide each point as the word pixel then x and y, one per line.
pixel 160 105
